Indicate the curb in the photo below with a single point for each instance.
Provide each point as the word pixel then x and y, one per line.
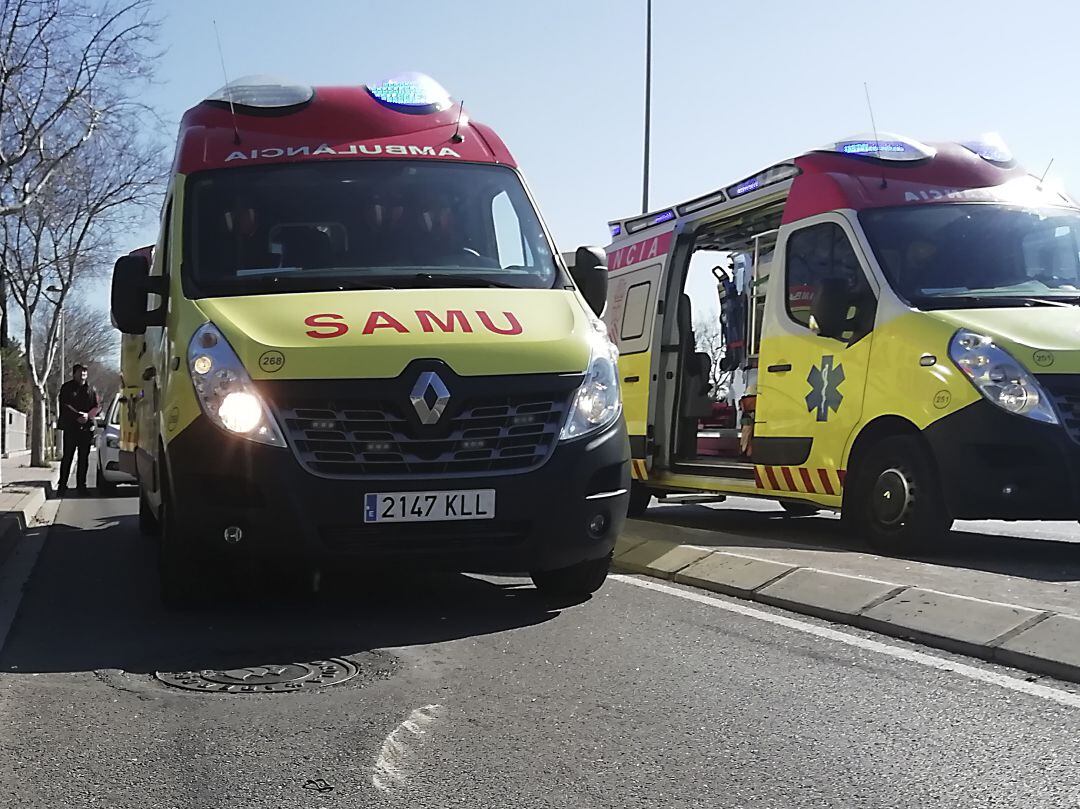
pixel 1038 641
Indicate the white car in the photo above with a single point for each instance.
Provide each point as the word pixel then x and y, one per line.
pixel 108 450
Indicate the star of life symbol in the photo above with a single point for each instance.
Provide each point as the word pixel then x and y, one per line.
pixel 825 392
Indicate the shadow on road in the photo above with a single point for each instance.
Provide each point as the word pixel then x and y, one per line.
pixel 741 528
pixel 93 604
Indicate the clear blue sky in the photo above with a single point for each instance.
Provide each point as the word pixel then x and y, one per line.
pixel 736 85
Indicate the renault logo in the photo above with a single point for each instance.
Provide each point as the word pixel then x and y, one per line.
pixel 429 397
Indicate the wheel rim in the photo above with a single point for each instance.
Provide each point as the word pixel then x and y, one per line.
pixel 893 497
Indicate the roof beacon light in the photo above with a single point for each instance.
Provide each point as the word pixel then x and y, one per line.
pixel 412 92
pixel 771 176
pixel 884 146
pixel 991 147
pixel 263 92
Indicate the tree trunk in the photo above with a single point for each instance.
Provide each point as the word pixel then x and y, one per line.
pixel 4 322
pixel 38 428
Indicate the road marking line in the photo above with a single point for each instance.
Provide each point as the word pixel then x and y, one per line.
pixel 931 661
pixel 389 769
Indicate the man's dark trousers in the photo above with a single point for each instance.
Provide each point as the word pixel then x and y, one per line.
pixel 76 439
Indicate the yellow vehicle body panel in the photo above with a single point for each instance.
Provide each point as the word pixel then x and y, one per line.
pixel 635 372
pixel 376 334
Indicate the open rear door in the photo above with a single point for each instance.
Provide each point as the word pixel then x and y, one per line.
pixel 637 263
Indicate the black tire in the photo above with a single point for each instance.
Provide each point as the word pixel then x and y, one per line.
pixel 797 509
pixel 148 521
pixel 893 499
pixel 640 497
pixel 178 570
pixel 104 486
pixel 582 579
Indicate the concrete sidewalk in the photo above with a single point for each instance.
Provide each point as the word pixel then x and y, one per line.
pixel 1027 623
pixel 22 497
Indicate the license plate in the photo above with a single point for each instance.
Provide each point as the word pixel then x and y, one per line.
pixel 470 504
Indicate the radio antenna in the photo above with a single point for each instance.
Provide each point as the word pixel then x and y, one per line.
pixel 1048 165
pixel 457 137
pixel 228 87
pixel 873 124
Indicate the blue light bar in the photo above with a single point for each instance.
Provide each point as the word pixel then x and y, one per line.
pixel 411 92
pixel 647 221
pixel 771 176
pixel 991 147
pixel 616 230
pixel 884 146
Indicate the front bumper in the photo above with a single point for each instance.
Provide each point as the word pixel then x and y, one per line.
pixel 541 522
pixel 995 465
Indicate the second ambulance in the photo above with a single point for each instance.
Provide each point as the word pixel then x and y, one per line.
pixel 901 339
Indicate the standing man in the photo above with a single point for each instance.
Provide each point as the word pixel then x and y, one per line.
pixel 79 406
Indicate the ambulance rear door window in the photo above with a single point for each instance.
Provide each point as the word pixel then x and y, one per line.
pixel 634 311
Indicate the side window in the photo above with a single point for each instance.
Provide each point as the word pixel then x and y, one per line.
pixel 820 261
pixel 634 311
pixel 508 238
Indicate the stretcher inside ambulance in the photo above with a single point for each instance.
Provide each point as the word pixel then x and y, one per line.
pixel 900 339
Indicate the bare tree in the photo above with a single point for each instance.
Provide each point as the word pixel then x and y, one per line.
pixel 710 340
pixel 66 68
pixel 67 234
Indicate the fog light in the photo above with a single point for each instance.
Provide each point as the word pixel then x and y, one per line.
pixel 233 534
pixel 1008 490
pixel 598 525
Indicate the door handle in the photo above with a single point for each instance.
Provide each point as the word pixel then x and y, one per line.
pixel 629 379
pixel 779 369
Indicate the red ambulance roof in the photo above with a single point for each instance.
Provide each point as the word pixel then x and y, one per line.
pixel 833 180
pixel 335 123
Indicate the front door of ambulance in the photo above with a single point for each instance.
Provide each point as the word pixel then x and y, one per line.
pixel 810 385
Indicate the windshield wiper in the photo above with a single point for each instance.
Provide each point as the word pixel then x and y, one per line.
pixel 988 301
pixel 450 281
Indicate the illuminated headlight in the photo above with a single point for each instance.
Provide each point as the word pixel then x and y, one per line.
pixel 224 389
pixel 597 403
pixel 999 377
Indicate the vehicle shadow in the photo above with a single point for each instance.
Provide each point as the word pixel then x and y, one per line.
pixel 740 529
pixel 93 604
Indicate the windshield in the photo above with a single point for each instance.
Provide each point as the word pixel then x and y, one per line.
pixel 361 224
pixel 944 255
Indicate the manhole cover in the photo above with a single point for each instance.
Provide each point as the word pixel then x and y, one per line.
pixel 264 679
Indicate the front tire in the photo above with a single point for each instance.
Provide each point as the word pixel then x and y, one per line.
pixel 894 500
pixel 104 486
pixel 149 525
pixel 640 497
pixel 582 579
pixel 177 566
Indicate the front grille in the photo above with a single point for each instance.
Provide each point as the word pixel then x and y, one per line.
pixel 369 428
pixel 1064 389
pixel 426 537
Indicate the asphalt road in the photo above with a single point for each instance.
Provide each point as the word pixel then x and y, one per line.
pixel 478 693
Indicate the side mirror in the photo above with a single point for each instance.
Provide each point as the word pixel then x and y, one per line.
pixel 590 273
pixel 131 286
pixel 832 300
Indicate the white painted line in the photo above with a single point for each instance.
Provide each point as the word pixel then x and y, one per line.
pixel 931 661
pixel 388 772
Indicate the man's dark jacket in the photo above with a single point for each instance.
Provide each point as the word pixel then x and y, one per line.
pixel 75 399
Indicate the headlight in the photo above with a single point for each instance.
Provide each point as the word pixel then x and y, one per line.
pixel 999 377
pixel 597 402
pixel 224 389
pixel 112 442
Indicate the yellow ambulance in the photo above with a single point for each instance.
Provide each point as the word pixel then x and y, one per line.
pixel 899 339
pixel 357 341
